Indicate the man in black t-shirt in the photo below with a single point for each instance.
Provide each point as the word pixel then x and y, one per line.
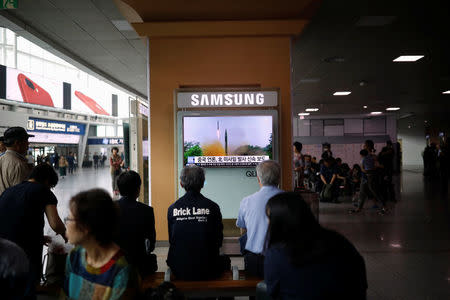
pixel 195 231
pixel 22 209
pixel 137 225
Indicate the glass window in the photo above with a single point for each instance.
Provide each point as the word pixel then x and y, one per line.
pixel 110 132
pixel 10 37
pixel 120 131
pixel 23 62
pixel 316 127
pixel 10 59
pixel 374 126
pixel 101 130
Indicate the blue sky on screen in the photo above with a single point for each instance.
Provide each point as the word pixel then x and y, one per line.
pixel 242 130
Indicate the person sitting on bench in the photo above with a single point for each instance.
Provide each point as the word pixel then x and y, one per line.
pixel 306 261
pixel 252 219
pixel 195 231
pixel 137 225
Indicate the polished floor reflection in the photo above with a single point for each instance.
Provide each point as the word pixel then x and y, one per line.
pixel 407 251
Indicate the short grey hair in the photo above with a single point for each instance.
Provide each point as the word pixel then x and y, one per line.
pixel 269 172
pixel 192 178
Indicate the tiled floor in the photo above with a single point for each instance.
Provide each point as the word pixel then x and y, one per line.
pixel 407 251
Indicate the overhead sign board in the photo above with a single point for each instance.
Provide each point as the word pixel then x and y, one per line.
pixel 9 4
pixel 226 99
pixel 105 141
pixel 51 126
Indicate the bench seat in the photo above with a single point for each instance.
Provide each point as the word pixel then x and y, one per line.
pixel 223 286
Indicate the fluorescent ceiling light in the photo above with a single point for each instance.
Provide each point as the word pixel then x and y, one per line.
pixel 345 93
pixel 376 113
pixel 303 114
pixel 408 58
pixel 312 109
pixel 392 108
pixel 446 92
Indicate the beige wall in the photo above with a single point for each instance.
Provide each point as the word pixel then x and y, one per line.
pixel 210 62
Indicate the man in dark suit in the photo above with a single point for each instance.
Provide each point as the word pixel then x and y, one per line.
pixel 137 235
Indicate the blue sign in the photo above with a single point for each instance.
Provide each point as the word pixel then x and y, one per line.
pixel 105 141
pixel 51 126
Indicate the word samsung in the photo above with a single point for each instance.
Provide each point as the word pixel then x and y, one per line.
pixel 236 99
pixel 227 99
pixel 189 212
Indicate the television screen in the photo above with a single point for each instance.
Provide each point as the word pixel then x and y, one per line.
pixel 227 141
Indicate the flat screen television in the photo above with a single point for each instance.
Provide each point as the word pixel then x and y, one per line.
pixel 227 141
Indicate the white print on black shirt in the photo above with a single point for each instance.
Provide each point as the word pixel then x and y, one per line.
pixel 185 214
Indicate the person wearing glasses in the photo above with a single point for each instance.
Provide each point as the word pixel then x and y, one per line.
pixel 22 209
pixel 96 268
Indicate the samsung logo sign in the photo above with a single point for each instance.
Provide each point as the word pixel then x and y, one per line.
pixel 227 99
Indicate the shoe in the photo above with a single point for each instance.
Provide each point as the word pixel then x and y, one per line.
pixel 382 212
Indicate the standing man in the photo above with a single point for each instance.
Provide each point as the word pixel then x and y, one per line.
pixel 71 162
pixel 96 158
pixel 252 218
pixel 14 166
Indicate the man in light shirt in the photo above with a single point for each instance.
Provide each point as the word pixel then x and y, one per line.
pixel 252 219
pixel 14 166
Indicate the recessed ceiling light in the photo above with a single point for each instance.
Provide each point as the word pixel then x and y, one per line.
pixel 344 93
pixel 446 92
pixel 392 108
pixel 376 113
pixel 408 58
pixel 365 106
pixel 303 114
pixel 312 109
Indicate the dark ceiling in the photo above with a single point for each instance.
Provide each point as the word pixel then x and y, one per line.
pixel 350 46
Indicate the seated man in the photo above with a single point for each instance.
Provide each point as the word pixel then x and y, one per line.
pixel 195 231
pixel 252 218
pixel 328 175
pixel 137 225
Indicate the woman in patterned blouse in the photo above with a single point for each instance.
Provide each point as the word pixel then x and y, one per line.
pixel 96 268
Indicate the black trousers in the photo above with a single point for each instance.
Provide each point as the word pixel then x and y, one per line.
pixel 254 264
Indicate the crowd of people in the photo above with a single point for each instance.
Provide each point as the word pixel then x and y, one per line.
pixel 436 161
pixel 331 178
pixel 282 241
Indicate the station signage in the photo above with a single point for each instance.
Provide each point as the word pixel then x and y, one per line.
pixel 227 99
pixel 51 126
pixel 105 141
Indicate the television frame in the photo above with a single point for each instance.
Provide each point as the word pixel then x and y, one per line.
pixel 224 113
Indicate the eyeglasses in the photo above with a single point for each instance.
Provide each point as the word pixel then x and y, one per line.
pixel 67 219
